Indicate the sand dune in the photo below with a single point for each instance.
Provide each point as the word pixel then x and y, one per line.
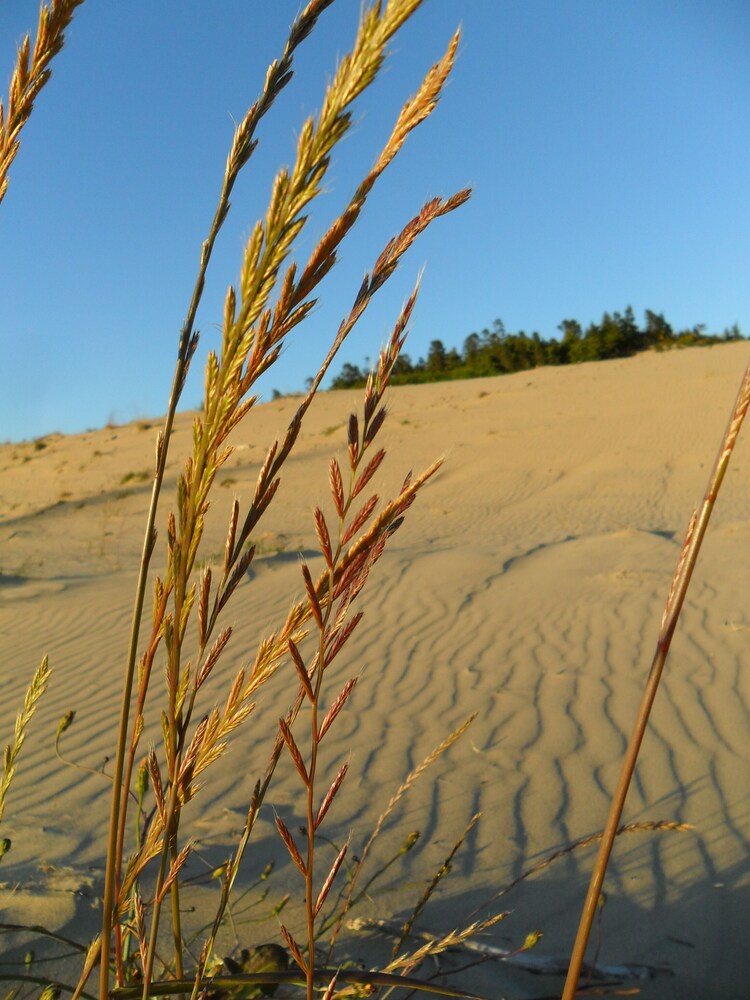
pixel 526 586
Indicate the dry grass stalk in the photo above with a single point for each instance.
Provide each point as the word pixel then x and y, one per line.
pixel 437 945
pixel 522 957
pixel 337 921
pixel 518 957
pixel 278 75
pixel 253 333
pixel 329 603
pixel 676 595
pixel 31 73
pixel 439 874
pixel 649 826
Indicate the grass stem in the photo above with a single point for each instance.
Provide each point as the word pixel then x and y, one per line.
pixel 675 598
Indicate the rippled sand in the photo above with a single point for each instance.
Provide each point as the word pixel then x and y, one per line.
pixel 526 586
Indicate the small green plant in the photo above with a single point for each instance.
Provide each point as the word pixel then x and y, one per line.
pixel 35 691
pixel 136 477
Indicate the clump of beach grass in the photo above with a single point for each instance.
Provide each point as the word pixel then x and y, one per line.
pixel 189 632
pixel 142 948
pixel 253 333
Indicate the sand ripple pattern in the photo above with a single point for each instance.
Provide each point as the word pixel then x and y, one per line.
pixel 526 587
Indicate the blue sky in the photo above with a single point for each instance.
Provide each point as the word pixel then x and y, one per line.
pixel 606 142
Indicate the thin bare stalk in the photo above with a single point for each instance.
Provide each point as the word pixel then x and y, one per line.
pixel 149 957
pixel 407 845
pixel 400 792
pixel 312 771
pixel 176 918
pixel 675 598
pixel 649 826
pixel 439 874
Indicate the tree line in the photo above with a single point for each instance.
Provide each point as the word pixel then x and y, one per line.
pixel 497 352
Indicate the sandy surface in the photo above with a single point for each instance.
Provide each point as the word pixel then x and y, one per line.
pixel 526 586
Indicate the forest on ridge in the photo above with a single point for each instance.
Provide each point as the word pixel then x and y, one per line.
pixel 498 352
